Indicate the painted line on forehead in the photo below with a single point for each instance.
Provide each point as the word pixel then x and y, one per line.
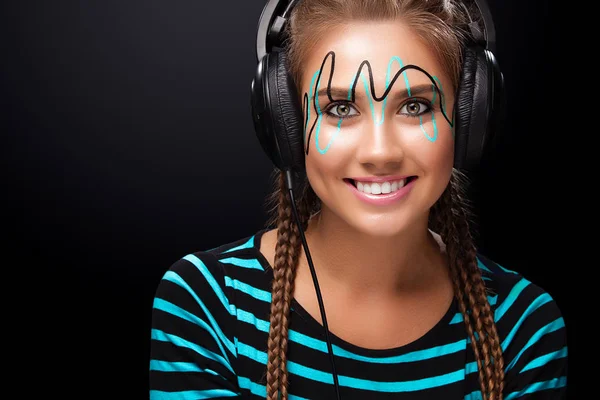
pixel 332 138
pixel 435 129
pixel 371 105
pixel 338 128
pixel 387 90
pixel 370 98
pixel 436 87
pixel 387 85
pixel 315 102
pixel 320 114
pixel 310 96
pixel 442 101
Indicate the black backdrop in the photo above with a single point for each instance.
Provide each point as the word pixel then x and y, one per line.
pixel 127 142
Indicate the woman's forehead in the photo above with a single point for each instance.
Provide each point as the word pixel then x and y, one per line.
pixel 383 45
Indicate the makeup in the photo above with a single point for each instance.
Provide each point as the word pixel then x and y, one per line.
pixel 312 98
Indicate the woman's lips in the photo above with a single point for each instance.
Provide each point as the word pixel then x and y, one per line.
pixel 383 199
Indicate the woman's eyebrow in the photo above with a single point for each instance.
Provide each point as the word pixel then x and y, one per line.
pixel 338 93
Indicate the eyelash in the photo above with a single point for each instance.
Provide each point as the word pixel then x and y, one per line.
pixel 327 110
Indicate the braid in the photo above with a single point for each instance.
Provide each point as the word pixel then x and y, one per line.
pixel 451 216
pixel 287 253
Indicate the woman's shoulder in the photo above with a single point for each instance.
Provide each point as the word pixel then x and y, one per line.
pixel 216 267
pixel 240 253
pixel 529 322
pixel 209 281
pixel 513 294
pixel 511 287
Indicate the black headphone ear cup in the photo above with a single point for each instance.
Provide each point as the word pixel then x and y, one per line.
pixel 472 109
pixel 263 126
pixel 276 112
pixel 286 112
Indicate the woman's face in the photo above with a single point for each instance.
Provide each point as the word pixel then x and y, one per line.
pixel 377 162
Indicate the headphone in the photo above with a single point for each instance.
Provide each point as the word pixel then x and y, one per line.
pixel 277 113
pixel 279 120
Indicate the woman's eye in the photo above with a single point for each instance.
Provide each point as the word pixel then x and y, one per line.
pixel 415 108
pixel 341 110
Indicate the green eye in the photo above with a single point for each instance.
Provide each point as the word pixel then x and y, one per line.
pixel 415 108
pixel 341 110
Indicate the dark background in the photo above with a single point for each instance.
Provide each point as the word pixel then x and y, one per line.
pixel 127 142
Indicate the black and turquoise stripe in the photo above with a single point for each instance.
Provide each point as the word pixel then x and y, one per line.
pixel 211 323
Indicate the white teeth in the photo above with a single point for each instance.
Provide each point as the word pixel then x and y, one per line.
pixel 380 188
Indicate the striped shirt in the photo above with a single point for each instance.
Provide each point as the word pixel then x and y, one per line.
pixel 210 324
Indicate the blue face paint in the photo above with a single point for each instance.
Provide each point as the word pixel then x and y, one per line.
pixel 317 107
pixel 435 87
pixel 435 130
pixel 320 117
pixel 387 85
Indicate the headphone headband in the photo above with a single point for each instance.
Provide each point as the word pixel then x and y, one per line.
pixel 279 120
pixel 275 14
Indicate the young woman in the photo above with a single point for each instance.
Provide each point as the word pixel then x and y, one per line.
pixel 413 310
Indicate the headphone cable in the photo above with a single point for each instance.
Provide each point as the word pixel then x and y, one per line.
pixel 289 180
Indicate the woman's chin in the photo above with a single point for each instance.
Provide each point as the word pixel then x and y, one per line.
pixel 383 226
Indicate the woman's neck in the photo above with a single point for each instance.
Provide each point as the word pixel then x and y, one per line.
pixel 348 261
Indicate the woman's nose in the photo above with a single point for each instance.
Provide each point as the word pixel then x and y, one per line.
pixel 380 147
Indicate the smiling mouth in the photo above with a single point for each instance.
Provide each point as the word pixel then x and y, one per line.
pixel 380 187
